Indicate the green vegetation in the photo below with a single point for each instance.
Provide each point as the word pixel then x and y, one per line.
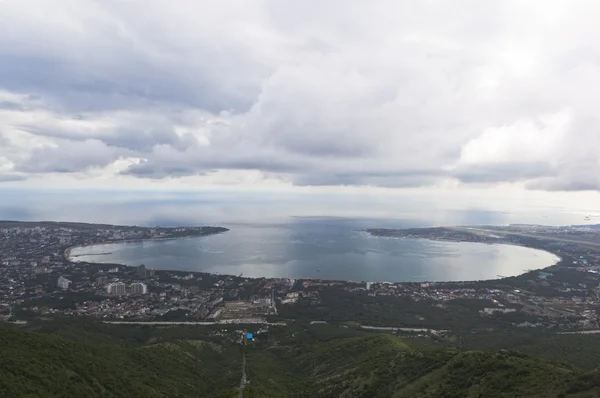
pixel 580 350
pixel 384 366
pixel 81 357
pixel 338 305
pixel 42 365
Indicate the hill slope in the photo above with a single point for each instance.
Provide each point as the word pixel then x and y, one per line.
pixel 41 365
pixel 383 366
pixel 45 364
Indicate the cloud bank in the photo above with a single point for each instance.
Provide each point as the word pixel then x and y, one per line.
pixel 391 94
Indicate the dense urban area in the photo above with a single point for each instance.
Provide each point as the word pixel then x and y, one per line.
pixel 38 277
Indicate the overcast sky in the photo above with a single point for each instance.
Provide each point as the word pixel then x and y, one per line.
pixel 437 95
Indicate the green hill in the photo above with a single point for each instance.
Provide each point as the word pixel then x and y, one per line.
pixel 41 365
pixel 107 361
pixel 580 350
pixel 383 366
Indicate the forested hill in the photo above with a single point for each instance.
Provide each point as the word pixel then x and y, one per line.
pixel 52 365
pixel 384 366
pixel 42 365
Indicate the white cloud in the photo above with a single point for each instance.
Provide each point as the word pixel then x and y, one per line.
pixel 524 141
pixel 391 94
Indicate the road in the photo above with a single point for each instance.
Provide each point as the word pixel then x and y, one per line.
pixel 160 323
pixel 243 379
pixel 393 328
pixel 241 321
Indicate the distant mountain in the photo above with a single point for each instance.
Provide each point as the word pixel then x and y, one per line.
pixel 106 365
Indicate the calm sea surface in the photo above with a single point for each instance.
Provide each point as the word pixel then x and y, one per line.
pixel 328 249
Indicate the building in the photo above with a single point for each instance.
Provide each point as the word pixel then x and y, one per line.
pixel 368 285
pixel 101 280
pixel 63 282
pixel 116 289
pixel 139 288
pixel 141 271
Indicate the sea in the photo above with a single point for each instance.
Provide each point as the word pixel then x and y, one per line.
pixel 291 237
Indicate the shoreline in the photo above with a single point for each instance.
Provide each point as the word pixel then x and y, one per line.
pixel 67 251
pixel 438 239
pixel 490 244
pixel 557 257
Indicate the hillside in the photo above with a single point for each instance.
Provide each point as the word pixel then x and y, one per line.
pixel 41 365
pixel 384 366
pixel 107 361
pixel 580 350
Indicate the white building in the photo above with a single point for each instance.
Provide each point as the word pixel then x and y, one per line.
pixel 116 288
pixel 368 285
pixel 63 282
pixel 139 288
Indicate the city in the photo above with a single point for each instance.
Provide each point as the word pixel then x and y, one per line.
pixel 38 278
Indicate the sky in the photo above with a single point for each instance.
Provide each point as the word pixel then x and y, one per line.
pixel 457 98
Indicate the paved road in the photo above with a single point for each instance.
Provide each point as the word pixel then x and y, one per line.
pixel 160 323
pixel 393 328
pixel 243 379
pixel 583 332
pixel 241 321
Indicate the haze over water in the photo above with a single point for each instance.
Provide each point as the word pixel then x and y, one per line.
pixel 292 237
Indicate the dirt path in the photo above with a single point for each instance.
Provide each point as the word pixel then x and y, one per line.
pixel 243 379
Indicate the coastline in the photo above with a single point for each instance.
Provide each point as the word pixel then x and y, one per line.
pixel 559 258
pixel 67 251
pixel 553 261
pixel 447 240
pixel 495 244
